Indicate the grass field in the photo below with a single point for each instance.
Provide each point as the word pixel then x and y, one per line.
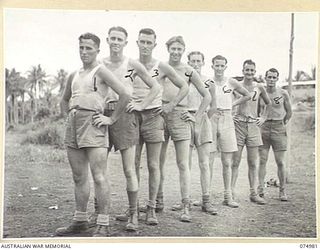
pixel 38 178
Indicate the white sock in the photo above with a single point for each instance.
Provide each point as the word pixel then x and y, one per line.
pixel 80 216
pixel 103 219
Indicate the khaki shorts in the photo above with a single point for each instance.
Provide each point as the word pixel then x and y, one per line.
pixel 151 126
pixel 274 134
pixel 175 127
pixel 80 133
pixel 124 133
pixel 223 132
pixel 203 134
pixel 248 133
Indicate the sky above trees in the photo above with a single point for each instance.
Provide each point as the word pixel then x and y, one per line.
pixel 50 37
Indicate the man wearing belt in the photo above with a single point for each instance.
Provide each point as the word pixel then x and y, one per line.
pixel 274 133
pixel 247 125
pixel 150 120
pixel 124 134
pixel 86 135
pixel 223 131
pixel 179 120
pixel 201 138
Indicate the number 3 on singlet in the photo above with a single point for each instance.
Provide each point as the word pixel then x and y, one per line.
pixel 156 73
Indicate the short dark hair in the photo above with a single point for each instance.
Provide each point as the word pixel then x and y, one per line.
pixel 219 57
pixel 174 39
pixel 273 70
pixel 195 53
pixel 91 36
pixel 118 28
pixel 248 61
pixel 148 31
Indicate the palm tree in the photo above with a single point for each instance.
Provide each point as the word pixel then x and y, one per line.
pixel 36 79
pixel 301 76
pixel 16 88
pixel 22 82
pixel 48 89
pixel 61 79
pixel 12 91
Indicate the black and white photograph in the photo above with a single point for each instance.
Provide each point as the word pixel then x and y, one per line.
pixel 159 124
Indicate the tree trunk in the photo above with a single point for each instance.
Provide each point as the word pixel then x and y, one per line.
pixel 22 109
pixel 7 114
pixel 35 106
pixel 32 110
pixel 15 109
pixel 36 98
pixel 10 112
pixel 12 115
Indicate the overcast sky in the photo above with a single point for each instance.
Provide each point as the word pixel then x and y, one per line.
pixel 50 37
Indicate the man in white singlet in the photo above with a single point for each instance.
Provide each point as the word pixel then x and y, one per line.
pixel 273 131
pixel 247 124
pixel 179 120
pixel 150 119
pixel 220 114
pixel 124 134
pixel 86 135
pixel 202 138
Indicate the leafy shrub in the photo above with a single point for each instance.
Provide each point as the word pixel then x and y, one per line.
pixel 43 113
pixel 49 133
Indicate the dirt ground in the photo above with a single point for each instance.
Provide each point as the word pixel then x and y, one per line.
pixel 38 178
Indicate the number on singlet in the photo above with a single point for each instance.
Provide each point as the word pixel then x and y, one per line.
pixel 188 75
pixel 130 73
pixel 208 82
pixel 254 97
pixel 225 90
pixel 277 99
pixel 156 73
pixel 95 84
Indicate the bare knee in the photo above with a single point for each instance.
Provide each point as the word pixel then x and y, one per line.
pixel 235 165
pixel 99 179
pixel 226 163
pixel 153 166
pixel 183 165
pixel 252 164
pixel 263 161
pixel 129 173
pixel 80 178
pixel 204 165
pixel 235 162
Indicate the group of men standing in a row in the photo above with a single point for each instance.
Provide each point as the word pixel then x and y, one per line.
pixel 124 103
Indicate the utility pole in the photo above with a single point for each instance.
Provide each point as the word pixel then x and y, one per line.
pixel 290 94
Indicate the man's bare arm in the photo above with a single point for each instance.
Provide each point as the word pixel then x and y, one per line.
pixel 64 102
pixel 118 87
pixel 213 103
pixel 267 101
pixel 241 90
pixel 205 102
pixel 149 81
pixel 178 81
pixel 287 106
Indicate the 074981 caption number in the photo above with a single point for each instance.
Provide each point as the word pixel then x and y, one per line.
pixel 308 246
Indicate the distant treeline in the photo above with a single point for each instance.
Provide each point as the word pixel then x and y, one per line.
pixel 37 95
pixel 33 97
